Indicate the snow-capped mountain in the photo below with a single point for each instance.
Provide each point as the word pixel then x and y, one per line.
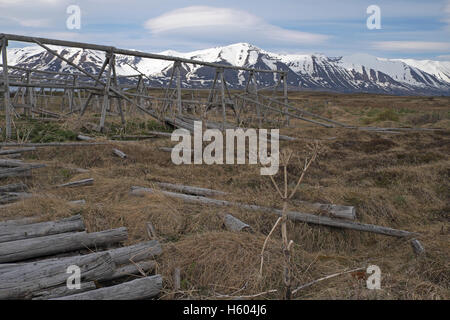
pixel 353 73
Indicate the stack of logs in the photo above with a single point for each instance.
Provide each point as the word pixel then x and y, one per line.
pixel 11 167
pixel 37 261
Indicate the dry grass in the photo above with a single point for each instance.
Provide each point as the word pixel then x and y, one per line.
pixel 400 181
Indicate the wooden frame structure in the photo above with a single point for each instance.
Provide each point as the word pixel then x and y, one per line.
pixel 82 89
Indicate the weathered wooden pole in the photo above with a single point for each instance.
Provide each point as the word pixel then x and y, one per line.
pixel 102 69
pixel 106 93
pixel 118 100
pixel 177 65
pixel 7 98
pixel 222 93
pixel 285 95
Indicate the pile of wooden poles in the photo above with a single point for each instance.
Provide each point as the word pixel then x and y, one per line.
pixel 36 260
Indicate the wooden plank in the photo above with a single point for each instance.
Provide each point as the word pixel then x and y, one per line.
pixel 292 215
pixel 44 246
pixel 22 282
pixel 41 229
pixel 143 288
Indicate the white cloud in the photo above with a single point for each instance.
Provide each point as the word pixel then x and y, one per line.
pixel 407 46
pixel 30 22
pixel 446 12
pixel 444 57
pixel 206 21
pixel 25 3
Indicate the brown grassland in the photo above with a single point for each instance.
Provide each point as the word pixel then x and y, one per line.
pixel 396 180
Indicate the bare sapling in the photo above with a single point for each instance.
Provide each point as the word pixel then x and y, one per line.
pixel 286 195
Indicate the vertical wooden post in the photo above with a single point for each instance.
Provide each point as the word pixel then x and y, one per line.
pixel 213 90
pixel 64 96
pixel 102 69
pixel 7 98
pixel 118 100
pixel 106 93
pixel 285 95
pixel 222 92
pixel 166 92
pixel 71 94
pixel 258 106
pixel 177 65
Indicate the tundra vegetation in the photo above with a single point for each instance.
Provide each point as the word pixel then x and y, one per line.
pixel 400 181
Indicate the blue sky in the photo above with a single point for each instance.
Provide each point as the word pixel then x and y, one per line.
pixel 409 28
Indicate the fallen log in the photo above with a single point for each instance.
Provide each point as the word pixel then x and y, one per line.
pixel 13 187
pixel 41 229
pixel 120 256
pixel 417 247
pixel 292 215
pixel 151 232
pixel 62 291
pixel 10 197
pixel 141 268
pixel 11 151
pixel 52 144
pixel 234 224
pixel 84 138
pixel 17 222
pixel 80 183
pixel 78 202
pixel 22 282
pixel 134 253
pixel 167 149
pixel 142 137
pixel 142 288
pixel 10 163
pixel 190 190
pixel 119 153
pixel 12 156
pixel 19 171
pixel 44 246
pixel 337 211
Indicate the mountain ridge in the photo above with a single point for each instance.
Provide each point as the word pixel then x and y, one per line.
pixel 352 73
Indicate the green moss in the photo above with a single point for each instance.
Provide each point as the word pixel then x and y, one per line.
pixel 387 115
pixel 50 132
pixel 375 115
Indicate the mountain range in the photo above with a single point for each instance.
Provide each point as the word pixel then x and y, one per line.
pixel 347 74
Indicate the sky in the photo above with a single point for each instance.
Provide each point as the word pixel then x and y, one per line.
pixel 408 28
